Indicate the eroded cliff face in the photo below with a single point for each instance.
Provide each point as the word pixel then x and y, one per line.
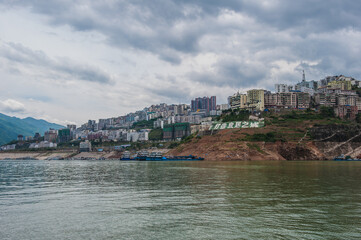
pixel 336 133
pixel 250 151
pixel 328 142
pixel 333 149
pixel 296 152
pixel 334 140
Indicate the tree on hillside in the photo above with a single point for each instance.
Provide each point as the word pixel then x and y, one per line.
pixel 327 112
pixel 156 134
pixel 358 118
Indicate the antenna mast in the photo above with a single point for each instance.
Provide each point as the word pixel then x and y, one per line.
pixel 303 76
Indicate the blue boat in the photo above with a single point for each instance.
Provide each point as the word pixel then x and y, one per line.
pixel 175 158
pixel 127 157
pixel 347 158
pixel 157 156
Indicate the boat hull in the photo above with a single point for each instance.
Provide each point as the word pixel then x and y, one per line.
pixel 127 159
pixel 180 158
pixel 347 160
pixel 159 159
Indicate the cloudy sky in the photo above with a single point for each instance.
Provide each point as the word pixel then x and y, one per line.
pixel 67 62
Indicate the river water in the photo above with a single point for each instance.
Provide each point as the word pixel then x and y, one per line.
pixel 179 200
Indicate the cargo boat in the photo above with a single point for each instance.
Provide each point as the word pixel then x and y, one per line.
pixel 127 157
pixel 347 158
pixel 175 158
pixel 157 156
pixel 142 155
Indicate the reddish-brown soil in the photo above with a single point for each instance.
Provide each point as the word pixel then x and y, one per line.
pixel 228 145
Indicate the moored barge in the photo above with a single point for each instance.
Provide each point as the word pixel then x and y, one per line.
pixel 157 156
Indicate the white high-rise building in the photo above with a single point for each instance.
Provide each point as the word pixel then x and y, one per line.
pixel 282 88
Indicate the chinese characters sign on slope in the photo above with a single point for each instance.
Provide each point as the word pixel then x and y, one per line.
pixel 240 124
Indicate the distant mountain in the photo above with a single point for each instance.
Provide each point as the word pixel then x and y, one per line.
pixel 11 127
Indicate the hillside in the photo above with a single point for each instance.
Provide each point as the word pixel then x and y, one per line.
pixel 11 127
pixel 290 136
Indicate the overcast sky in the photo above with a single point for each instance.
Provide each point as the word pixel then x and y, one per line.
pixel 68 62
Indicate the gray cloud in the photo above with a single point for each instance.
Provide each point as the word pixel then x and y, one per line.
pixel 58 68
pixel 230 72
pixel 171 93
pixel 124 18
pixel 170 29
pixel 167 88
pixel 214 46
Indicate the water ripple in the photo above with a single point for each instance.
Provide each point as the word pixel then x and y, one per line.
pixel 179 200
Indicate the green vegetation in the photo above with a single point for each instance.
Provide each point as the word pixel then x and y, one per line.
pixel 293 125
pixel 11 127
pixel 327 112
pixel 357 89
pixel 188 139
pixel 184 140
pixel 144 124
pixel 71 144
pixel 12 142
pixel 174 145
pixel 261 137
pixel 256 147
pixel 156 134
pixel 235 115
pixel 324 113
pixel 297 119
pixel 358 118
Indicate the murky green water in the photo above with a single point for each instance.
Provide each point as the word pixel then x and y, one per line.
pixel 179 200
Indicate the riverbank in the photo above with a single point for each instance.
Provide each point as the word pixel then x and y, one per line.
pixel 273 142
pixel 58 155
pixel 48 155
pixel 232 145
pixel 214 148
pixel 221 148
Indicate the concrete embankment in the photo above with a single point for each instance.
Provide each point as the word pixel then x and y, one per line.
pixel 45 155
pixel 58 155
pixel 33 155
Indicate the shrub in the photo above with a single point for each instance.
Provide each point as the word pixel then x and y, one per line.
pixel 260 137
pixel 156 134
pixel 173 145
pixel 327 112
pixel 358 118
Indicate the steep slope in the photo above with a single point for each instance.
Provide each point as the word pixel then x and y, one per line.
pixel 11 127
pixel 287 141
pixel 41 125
pixel 229 145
